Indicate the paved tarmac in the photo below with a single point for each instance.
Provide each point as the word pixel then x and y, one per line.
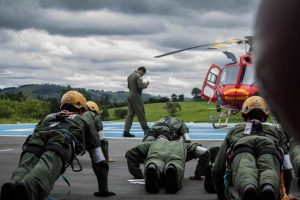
pixel 83 183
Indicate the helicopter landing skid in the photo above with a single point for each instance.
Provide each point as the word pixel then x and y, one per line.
pixel 225 114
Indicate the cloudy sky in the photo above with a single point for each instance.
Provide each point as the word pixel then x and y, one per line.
pixel 95 44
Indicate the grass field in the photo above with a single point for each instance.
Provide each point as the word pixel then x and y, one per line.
pixel 190 112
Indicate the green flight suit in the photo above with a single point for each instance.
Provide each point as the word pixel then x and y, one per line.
pixel 99 128
pixel 162 153
pixel 174 128
pixel 295 155
pixel 171 127
pixel 41 167
pixel 245 167
pixel 135 101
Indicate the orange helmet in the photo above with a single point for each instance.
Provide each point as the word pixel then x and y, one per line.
pixel 74 98
pixel 255 102
pixel 93 106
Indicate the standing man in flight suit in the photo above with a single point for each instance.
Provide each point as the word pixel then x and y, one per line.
pixel 135 101
pixel 54 144
pixel 251 153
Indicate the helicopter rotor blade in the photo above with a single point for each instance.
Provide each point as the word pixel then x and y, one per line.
pixel 189 48
pixel 213 46
pixel 219 46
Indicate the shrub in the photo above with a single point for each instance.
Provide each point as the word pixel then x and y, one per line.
pixel 120 113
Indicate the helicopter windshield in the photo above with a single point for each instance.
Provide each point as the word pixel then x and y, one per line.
pixel 249 77
pixel 229 75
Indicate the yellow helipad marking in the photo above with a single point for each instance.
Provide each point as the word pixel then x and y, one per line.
pixel 1 150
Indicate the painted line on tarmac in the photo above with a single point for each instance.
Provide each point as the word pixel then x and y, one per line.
pixel 19 130
pixel 137 181
pixel 13 135
pixel 123 138
pixel 3 150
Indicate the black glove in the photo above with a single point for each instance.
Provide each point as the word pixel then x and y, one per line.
pixel 209 185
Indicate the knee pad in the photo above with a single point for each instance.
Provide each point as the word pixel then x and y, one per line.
pixel 37 150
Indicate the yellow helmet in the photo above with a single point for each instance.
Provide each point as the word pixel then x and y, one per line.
pixel 93 106
pixel 74 98
pixel 255 102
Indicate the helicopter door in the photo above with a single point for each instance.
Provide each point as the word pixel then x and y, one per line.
pixel 211 83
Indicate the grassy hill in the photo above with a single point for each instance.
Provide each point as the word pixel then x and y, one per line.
pixel 55 91
pixel 190 112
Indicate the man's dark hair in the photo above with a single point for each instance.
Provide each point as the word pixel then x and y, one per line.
pixel 71 108
pixel 255 114
pixel 142 68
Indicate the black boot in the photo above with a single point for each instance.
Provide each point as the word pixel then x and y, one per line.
pixel 171 185
pixel 299 177
pixel 101 171
pixel 288 178
pixel 249 193
pixel 152 179
pixel 268 193
pixel 195 178
pixel 22 191
pixel 7 191
pixel 209 185
pixel 146 130
pixel 201 167
pixel 127 134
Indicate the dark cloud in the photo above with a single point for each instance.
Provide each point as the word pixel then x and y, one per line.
pixel 146 17
pixel 97 43
pixel 28 14
pixel 166 7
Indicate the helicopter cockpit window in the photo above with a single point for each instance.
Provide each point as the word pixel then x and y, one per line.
pixel 249 76
pixel 229 75
pixel 212 76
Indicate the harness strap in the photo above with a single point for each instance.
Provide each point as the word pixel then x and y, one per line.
pixel 256 152
pixel 35 149
pixel 69 192
pixel 240 149
pixel 78 163
pixel 275 152
pixel 227 179
pixel 66 153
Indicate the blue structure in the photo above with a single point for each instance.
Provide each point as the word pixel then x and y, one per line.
pixel 199 131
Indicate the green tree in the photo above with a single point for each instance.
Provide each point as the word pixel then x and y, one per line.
pixel 105 100
pixel 196 94
pixel 6 108
pixel 105 113
pixel 174 97
pixel 54 104
pixel 181 97
pixel 120 113
pixel 34 108
pixel 172 108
